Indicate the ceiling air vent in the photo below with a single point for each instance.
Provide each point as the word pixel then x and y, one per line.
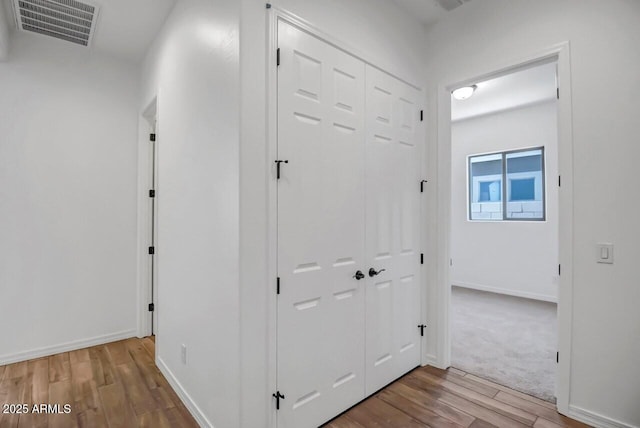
pixel 449 5
pixel 68 20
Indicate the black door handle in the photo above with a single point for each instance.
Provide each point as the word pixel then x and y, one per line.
pixel 372 272
pixel 359 275
pixel 278 162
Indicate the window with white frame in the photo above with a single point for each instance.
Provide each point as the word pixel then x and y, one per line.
pixel 507 185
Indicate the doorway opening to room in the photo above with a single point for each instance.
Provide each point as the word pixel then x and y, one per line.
pixel 504 242
pixel 148 208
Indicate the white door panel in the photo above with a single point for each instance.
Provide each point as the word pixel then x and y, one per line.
pixel 393 141
pixel 321 204
pixel 348 200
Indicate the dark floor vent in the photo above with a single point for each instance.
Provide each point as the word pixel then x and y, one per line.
pixel 68 20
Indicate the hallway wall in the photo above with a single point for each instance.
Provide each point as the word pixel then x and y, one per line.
pixel 67 198
pixel 604 54
pixel 193 69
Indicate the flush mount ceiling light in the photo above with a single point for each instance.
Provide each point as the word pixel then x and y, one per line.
pixel 464 92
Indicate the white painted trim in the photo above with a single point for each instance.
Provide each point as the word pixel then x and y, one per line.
pixel 431 360
pixel 65 347
pixel 423 236
pixel 274 15
pixel 149 113
pixel 193 408
pixel 443 209
pixel 498 290
pixel 596 419
pixel 272 207
pixel 144 327
pixel 565 226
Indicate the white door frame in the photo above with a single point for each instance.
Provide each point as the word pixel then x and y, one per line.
pixel 560 52
pixel 274 15
pixel 147 121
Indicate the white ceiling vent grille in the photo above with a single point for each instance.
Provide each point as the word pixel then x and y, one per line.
pixel 68 20
pixel 449 5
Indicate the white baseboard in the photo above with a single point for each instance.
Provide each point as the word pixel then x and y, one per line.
pixel 526 295
pixel 431 360
pixel 184 395
pixel 65 347
pixel 595 419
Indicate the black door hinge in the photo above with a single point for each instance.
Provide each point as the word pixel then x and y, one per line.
pixel 559 270
pixel 278 397
pixel 557 357
pixel 421 115
pixel 422 327
pixel 152 250
pixel 152 193
pixel 559 181
pixel 557 93
pixel 278 285
pixel 278 162
pixel 421 258
pixel 277 57
pixel 422 185
pixel 152 137
pixel 152 307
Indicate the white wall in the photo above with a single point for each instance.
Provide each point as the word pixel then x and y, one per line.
pixel 510 257
pixel 67 198
pixel 603 40
pixel 4 33
pixel 377 29
pixel 193 68
pixel 390 37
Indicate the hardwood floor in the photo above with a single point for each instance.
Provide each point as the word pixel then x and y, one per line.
pixel 119 385
pixel 112 385
pixel 430 397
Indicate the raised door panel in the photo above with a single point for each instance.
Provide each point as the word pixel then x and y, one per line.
pixel 320 350
pixel 393 144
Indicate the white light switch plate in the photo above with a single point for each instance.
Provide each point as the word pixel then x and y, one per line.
pixel 605 253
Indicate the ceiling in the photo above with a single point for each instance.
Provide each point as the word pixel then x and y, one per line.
pixel 428 12
pixel 124 28
pixel 524 87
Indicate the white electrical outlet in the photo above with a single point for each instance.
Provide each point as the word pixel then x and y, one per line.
pixel 184 354
pixel 605 253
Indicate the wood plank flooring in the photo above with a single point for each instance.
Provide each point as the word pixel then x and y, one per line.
pixel 119 385
pixel 112 385
pixel 430 397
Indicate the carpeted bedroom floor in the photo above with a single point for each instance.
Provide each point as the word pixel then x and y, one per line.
pixel 509 340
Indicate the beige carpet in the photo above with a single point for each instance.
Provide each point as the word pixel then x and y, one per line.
pixel 509 340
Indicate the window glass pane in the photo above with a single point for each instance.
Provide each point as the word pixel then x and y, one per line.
pixel 525 185
pixel 485 187
pixel 522 189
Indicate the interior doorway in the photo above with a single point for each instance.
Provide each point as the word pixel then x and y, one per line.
pixel 148 207
pixel 504 217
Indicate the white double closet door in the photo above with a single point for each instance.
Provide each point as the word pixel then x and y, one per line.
pixel 348 201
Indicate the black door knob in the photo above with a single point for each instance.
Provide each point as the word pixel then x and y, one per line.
pixel 373 272
pixel 359 275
